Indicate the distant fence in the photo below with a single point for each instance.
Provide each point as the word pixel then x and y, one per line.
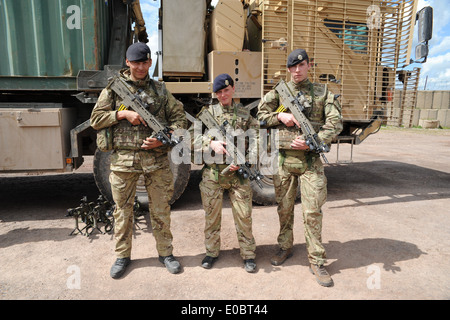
pixel 432 107
pixel 433 84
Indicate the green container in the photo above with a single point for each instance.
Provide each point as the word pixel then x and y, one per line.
pixel 45 43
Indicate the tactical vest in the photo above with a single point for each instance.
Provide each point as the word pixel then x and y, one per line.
pixel 315 113
pixel 130 137
pixel 238 118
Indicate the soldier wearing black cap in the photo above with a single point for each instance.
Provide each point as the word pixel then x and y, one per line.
pixel 296 57
pixel 136 153
pixel 214 181
pixel 138 52
pixel 298 163
pixel 222 81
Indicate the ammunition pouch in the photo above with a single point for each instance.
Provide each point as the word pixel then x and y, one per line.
pixel 285 137
pixel 129 137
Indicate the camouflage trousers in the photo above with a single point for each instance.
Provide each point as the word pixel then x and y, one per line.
pixel 313 188
pixel 212 188
pixel 159 185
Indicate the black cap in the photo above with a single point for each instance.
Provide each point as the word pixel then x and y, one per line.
pixel 138 51
pixel 222 81
pixel 296 56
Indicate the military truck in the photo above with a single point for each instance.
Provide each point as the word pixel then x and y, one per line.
pixel 58 55
pixel 357 48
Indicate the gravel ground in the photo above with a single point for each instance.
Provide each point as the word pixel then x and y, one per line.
pixel 385 230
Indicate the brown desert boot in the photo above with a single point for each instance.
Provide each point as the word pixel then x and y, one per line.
pixel 322 276
pixel 281 256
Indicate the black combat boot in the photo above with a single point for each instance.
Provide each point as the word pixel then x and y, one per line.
pixel 250 265
pixel 208 262
pixel 119 267
pixel 171 263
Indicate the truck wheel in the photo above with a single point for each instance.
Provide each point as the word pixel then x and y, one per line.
pixel 266 195
pixel 101 173
pixel 102 162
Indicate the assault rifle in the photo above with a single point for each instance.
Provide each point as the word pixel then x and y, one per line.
pixel 297 106
pixel 135 102
pixel 245 169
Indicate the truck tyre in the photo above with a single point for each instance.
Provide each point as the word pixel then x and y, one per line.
pixel 266 195
pixel 101 173
pixel 102 161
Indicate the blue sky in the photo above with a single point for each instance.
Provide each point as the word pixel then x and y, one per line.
pixel 437 67
pixel 150 12
pixel 436 71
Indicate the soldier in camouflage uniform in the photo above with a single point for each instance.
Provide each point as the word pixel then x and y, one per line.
pixel 296 162
pixel 137 153
pixel 214 182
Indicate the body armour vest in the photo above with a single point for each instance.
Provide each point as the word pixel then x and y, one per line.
pixel 130 137
pixel 237 116
pixel 317 96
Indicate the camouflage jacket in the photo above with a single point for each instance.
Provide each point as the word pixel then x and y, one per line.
pixel 325 113
pixel 243 125
pixel 127 139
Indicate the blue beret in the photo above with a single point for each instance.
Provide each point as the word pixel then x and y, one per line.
pixel 222 81
pixel 138 51
pixel 296 56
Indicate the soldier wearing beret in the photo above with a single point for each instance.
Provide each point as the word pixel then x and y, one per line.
pixel 136 153
pixel 214 181
pixel 296 162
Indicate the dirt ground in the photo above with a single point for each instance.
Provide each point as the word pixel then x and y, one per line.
pixel 385 230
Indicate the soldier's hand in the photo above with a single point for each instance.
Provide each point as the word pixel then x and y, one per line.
pixel 150 143
pixel 299 144
pixel 219 147
pixel 288 119
pixel 133 117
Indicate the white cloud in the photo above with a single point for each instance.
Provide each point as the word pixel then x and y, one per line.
pixel 436 64
pixel 441 47
pixel 446 73
pixel 149 7
pixel 436 72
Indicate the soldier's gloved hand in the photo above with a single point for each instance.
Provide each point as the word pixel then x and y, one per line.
pixel 219 147
pixel 288 119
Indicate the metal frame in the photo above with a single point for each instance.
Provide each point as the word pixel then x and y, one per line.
pixel 355 59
